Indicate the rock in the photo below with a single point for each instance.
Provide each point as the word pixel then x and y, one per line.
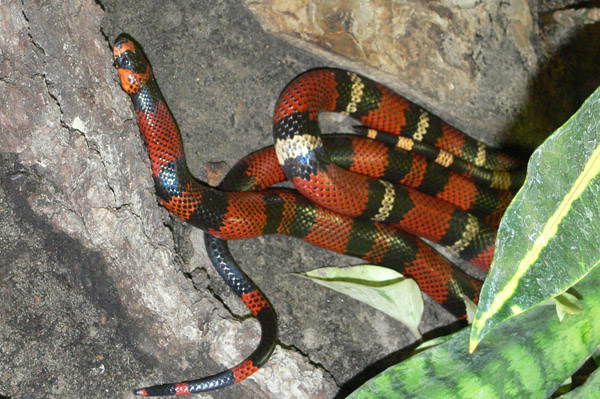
pixel 91 287
pixel 473 55
pixel 63 121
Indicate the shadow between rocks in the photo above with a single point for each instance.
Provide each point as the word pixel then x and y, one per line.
pixel 564 81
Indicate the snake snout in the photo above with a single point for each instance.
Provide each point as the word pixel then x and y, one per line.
pixel 132 67
pixel 122 44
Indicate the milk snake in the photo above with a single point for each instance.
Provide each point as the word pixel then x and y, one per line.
pixel 377 222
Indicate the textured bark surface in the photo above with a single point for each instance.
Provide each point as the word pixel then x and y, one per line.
pixel 102 291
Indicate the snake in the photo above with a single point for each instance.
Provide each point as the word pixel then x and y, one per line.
pixel 379 221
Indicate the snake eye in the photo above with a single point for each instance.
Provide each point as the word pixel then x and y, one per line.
pixel 126 63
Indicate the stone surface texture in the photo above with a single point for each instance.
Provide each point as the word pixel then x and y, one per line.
pixel 102 291
pixel 446 56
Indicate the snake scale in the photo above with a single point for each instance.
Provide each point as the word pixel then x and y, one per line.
pixel 450 189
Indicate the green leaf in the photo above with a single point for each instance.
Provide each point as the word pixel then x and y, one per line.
pixel 564 387
pixel 470 307
pixel 596 357
pixel 567 304
pixel 548 238
pixel 527 357
pixel 380 287
pixel 434 342
pixel 589 390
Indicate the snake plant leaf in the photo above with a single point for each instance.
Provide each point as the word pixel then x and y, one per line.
pixel 380 287
pixel 589 390
pixel 548 238
pixel 527 357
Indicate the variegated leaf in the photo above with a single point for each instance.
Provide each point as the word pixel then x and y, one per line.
pixel 548 238
pixel 380 287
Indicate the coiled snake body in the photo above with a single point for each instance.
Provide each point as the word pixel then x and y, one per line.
pixel 378 221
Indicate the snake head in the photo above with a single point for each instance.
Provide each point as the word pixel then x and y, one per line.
pixel 132 66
